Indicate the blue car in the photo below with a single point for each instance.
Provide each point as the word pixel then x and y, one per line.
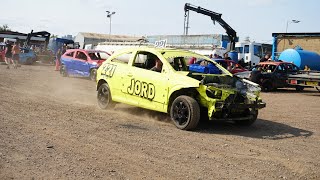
pixel 82 63
pixel 27 56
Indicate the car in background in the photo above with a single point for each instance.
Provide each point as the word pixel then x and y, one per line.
pixel 159 79
pixel 272 75
pixel 27 56
pixel 82 63
pixel 230 65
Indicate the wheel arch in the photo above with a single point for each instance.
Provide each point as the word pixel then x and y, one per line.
pixel 100 82
pixel 191 92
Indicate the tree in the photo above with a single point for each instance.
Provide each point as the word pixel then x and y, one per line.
pixel 5 28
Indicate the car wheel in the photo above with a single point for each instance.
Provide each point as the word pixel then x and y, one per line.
pixel 104 97
pixel 29 61
pixel 267 86
pixel 254 116
pixel 185 112
pixel 299 88
pixel 93 74
pixel 63 71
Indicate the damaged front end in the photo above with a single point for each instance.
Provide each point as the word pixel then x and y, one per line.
pixel 230 98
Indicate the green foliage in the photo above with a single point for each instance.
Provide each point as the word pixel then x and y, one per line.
pixel 5 27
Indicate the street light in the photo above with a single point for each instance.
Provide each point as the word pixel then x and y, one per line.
pixel 109 15
pixel 292 21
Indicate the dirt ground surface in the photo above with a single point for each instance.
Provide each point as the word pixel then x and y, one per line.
pixel 52 128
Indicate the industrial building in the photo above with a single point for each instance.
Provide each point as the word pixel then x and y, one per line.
pixel 40 39
pixel 306 41
pixel 85 38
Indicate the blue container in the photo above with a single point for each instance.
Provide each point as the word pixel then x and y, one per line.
pixel 301 58
pixel 234 56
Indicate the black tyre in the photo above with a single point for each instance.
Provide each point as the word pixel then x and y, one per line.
pixel 267 86
pixel 185 112
pixel 63 71
pixel 104 97
pixel 250 121
pixel 299 88
pixel 93 74
pixel 29 61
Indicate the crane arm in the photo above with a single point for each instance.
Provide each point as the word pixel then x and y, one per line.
pixel 215 17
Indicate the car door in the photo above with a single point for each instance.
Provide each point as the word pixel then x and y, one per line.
pixel 148 87
pixel 280 79
pixel 67 60
pixel 118 74
pixel 80 64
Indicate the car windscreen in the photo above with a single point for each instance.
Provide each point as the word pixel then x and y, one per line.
pixel 192 62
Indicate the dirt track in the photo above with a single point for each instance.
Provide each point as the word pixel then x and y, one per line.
pixel 51 128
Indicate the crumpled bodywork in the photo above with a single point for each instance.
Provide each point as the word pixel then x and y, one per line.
pixel 226 97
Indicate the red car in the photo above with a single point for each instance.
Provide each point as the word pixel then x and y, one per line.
pixel 230 65
pixel 80 62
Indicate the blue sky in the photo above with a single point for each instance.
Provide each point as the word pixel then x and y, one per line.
pixel 254 18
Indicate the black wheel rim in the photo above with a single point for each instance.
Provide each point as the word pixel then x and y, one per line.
pixel 180 113
pixel 103 96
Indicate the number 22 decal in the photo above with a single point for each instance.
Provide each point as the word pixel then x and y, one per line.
pixel 108 70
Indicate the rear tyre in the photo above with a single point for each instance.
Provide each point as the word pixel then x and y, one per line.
pixel 93 74
pixel 104 97
pixel 299 88
pixel 185 112
pixel 29 61
pixel 63 71
pixel 267 86
pixel 249 122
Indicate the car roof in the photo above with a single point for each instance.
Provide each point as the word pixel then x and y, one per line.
pixel 224 60
pixel 273 63
pixel 147 48
pixel 85 50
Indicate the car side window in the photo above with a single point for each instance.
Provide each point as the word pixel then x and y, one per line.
pixel 81 55
pixel 122 58
pixel 147 60
pixel 70 54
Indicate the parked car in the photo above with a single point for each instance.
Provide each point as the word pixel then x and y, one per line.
pixel 161 80
pixel 27 56
pixel 272 75
pixel 230 65
pixel 84 63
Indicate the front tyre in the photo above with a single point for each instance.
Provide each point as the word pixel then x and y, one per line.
pixel 63 71
pixel 185 112
pixel 249 122
pixel 104 97
pixel 93 74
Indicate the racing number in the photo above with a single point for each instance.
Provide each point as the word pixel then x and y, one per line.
pixel 108 70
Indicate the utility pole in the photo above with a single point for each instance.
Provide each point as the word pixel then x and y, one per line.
pixel 109 15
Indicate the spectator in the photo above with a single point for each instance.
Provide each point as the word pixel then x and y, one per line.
pixel 15 54
pixel 306 68
pixel 192 60
pixel 210 56
pixel 215 56
pixel 8 54
pixel 58 59
pixel 265 58
pixel 226 56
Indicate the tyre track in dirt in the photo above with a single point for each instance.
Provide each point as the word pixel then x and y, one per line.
pixel 40 109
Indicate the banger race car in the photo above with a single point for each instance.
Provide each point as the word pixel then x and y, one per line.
pixel 185 92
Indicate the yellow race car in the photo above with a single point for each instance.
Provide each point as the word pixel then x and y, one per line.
pixel 186 85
